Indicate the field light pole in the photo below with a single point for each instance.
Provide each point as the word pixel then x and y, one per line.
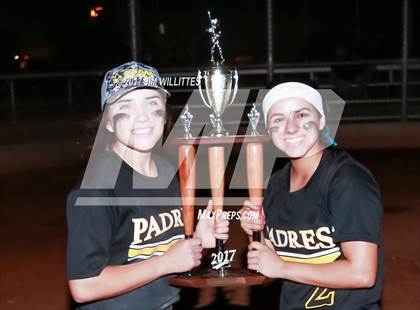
pixel 269 41
pixel 404 58
pixel 132 6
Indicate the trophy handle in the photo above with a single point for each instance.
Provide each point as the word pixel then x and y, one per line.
pixel 199 77
pixel 235 86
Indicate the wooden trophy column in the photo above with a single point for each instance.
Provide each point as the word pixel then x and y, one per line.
pixel 255 171
pixel 186 157
pixel 217 184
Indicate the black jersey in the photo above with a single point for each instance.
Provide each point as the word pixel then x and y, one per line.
pixel 117 226
pixel 340 202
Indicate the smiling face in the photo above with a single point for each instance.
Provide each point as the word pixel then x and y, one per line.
pixel 137 119
pixel 294 126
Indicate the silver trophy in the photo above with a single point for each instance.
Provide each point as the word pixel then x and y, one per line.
pixel 254 117
pixel 220 82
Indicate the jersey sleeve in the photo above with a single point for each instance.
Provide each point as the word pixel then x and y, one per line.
pixel 355 205
pixel 90 230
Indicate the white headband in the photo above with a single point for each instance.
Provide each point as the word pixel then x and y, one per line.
pixel 292 90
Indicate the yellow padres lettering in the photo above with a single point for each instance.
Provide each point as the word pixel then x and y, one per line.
pixel 147 228
pixel 309 239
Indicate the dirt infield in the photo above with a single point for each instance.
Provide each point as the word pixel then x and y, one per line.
pixel 33 239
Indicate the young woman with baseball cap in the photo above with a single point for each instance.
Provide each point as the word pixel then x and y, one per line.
pixel 125 231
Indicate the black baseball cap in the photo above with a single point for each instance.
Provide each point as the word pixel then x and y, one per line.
pixel 125 78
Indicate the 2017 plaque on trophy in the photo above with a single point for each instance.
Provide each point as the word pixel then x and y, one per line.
pixel 218 86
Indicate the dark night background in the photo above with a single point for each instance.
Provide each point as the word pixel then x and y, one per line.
pixel 356 42
pixel 61 35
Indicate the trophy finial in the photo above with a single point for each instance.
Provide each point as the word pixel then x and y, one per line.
pixel 215 34
pixel 186 118
pixel 217 84
pixel 254 117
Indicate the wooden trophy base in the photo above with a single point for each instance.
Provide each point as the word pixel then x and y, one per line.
pixel 213 278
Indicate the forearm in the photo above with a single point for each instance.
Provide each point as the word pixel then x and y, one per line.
pixel 340 274
pixel 117 280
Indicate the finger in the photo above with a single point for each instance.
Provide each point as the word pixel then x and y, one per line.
pixel 247 203
pixel 253 266
pixel 255 245
pixel 196 241
pixel 252 254
pixel 197 262
pixel 221 236
pixel 252 261
pixel 259 226
pixel 255 226
pixel 209 206
pixel 221 230
pixel 197 249
pixel 250 205
pixel 222 223
pixel 256 221
pixel 250 228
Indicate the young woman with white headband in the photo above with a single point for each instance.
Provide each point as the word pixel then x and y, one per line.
pixel 321 213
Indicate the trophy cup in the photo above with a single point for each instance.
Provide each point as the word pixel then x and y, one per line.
pixel 220 82
pixel 219 91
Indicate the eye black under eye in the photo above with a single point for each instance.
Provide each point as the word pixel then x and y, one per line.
pixel 120 116
pixel 160 113
pixel 124 107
